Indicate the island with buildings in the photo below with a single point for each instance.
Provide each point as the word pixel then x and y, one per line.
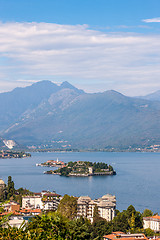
pixel 51 163
pixel 79 168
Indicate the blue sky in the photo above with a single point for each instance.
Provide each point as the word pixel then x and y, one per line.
pixel 94 44
pixel 95 13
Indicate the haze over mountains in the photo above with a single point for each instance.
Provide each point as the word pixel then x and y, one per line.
pixel 65 117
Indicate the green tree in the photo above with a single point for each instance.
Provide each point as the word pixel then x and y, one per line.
pixel 120 222
pixel 10 188
pixel 130 210
pixel 101 227
pixel 147 213
pixel 2 194
pixel 96 215
pixel 68 207
pixel 110 168
pixel 131 222
pixel 149 232
pixel 48 227
pixel 80 229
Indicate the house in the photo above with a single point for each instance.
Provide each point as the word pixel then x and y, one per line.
pixel 152 223
pixel 123 236
pixel 11 206
pixel 106 207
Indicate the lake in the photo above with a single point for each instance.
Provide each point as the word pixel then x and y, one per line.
pixel 137 180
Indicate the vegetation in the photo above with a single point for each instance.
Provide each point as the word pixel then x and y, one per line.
pixel 68 207
pixel 82 168
pixel 10 193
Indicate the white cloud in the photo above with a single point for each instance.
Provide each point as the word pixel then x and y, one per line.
pixel 152 20
pixel 126 62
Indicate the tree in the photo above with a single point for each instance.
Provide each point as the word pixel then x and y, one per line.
pixel 96 215
pixel 149 232
pixel 10 188
pixel 131 222
pixel 101 227
pixel 48 227
pixel 68 207
pixel 2 194
pixel 120 222
pixel 130 210
pixel 80 229
pixel 147 213
pixel 110 168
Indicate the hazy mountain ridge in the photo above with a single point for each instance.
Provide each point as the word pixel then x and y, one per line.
pixel 68 117
pixel 152 96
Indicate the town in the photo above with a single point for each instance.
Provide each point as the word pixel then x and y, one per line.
pixel 13 154
pixel 20 207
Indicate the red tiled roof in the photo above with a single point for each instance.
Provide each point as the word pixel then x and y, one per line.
pixel 120 236
pixel 30 210
pixel 154 217
pixel 51 194
pixel 13 213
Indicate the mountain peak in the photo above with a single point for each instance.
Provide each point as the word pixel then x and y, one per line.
pixel 70 86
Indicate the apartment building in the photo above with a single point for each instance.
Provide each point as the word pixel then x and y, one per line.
pixel 44 201
pixel 106 207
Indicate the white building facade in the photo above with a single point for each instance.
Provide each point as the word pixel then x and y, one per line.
pixel 106 207
pixel 152 223
pixel 44 201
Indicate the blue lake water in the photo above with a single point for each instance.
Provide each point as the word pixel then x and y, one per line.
pixel 137 180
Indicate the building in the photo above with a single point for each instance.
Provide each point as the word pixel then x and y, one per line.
pixel 152 223
pixel 2 184
pixel 44 201
pixel 11 206
pixel 106 207
pixel 123 236
pixel 32 202
pixel 50 201
pixel 15 221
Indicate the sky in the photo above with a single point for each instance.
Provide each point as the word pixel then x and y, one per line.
pixel 96 45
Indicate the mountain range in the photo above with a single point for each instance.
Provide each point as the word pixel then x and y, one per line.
pixel 51 116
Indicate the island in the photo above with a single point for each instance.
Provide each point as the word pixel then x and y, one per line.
pixel 80 169
pixel 52 163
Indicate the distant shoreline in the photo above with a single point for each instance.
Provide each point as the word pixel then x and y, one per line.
pixel 93 150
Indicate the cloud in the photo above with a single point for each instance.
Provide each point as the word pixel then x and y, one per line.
pixel 90 59
pixel 152 20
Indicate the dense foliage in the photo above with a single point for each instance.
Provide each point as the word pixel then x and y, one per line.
pixel 68 207
pixel 82 167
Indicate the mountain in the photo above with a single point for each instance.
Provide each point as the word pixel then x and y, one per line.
pixel 15 103
pixel 153 96
pixel 66 117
